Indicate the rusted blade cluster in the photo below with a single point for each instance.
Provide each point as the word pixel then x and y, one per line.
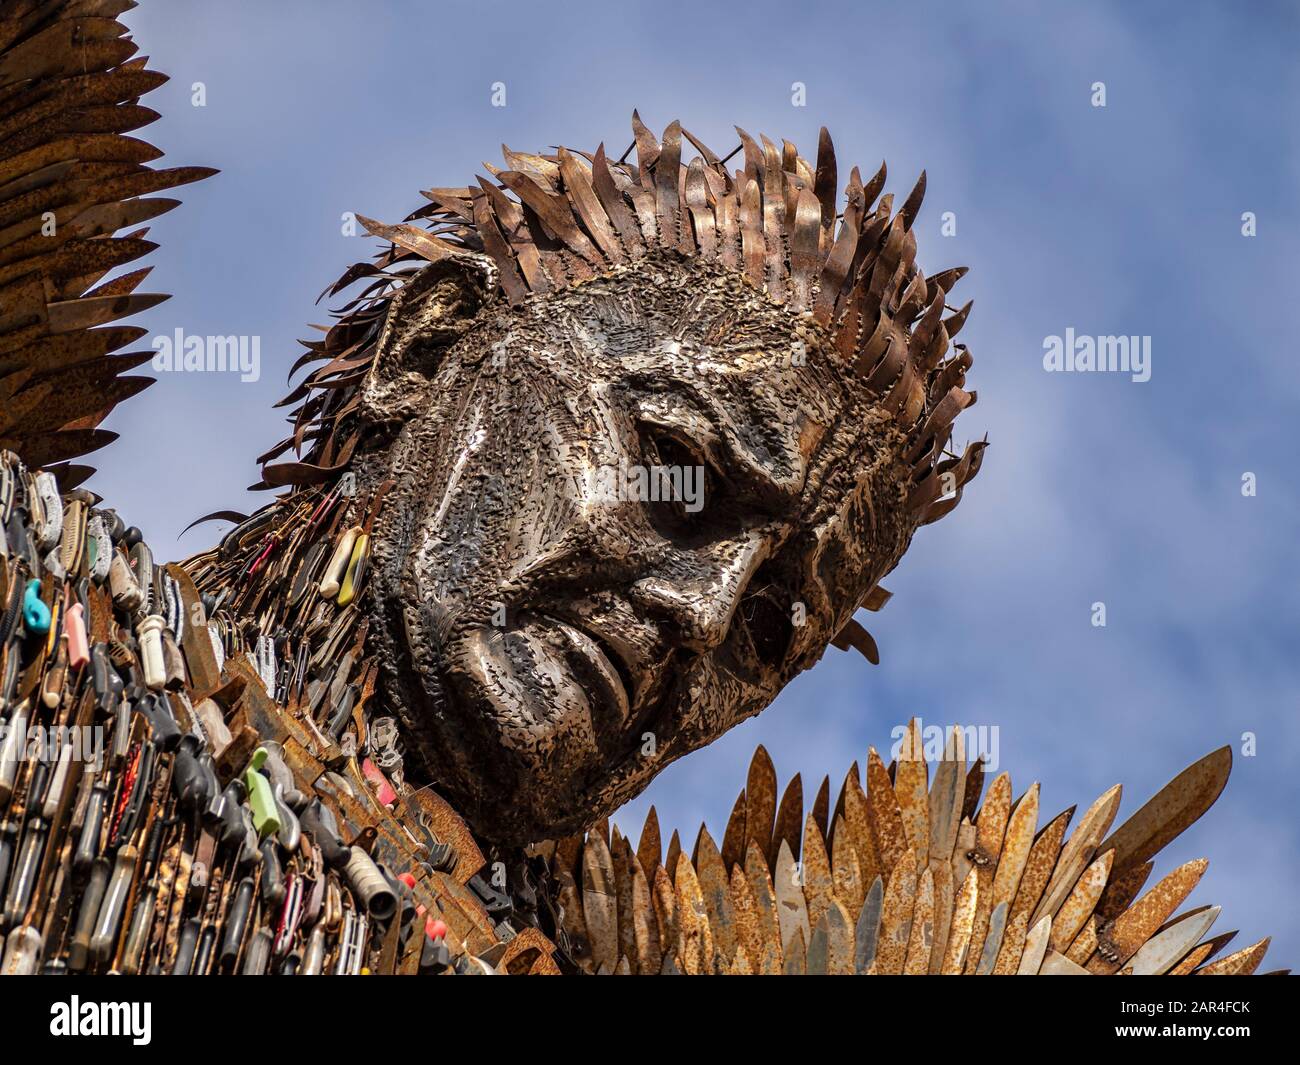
pixel 70 180
pixel 554 220
pixel 911 872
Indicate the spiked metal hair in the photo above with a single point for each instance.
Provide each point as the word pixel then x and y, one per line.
pixel 576 215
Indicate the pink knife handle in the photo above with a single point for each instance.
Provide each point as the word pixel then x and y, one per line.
pixel 74 628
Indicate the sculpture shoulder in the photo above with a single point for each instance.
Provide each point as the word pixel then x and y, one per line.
pixel 156 745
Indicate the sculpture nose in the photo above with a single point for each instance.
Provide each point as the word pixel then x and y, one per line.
pixel 700 604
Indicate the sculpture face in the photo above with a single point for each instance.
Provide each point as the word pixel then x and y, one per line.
pixel 534 362
pixel 624 516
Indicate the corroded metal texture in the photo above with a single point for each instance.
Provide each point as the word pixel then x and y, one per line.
pixel 826 925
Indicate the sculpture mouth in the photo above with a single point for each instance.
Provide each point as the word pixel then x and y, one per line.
pixel 594 657
pixel 552 687
pixel 601 673
pixel 558 711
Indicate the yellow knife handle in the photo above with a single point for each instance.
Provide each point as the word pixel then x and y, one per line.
pixel 352 579
pixel 330 582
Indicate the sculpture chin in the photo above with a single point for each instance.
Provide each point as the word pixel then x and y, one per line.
pixel 539 725
pixel 536 728
pixel 531 726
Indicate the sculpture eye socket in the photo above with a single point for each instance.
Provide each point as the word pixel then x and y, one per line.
pixel 688 497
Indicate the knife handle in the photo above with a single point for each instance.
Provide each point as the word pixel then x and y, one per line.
pixel 356 570
pixel 333 577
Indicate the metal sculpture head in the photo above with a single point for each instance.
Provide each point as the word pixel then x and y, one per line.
pixel 654 434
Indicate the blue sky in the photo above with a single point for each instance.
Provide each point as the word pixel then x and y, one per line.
pixel 1117 220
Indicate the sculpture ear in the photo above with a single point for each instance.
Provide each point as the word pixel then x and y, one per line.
pixel 425 318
